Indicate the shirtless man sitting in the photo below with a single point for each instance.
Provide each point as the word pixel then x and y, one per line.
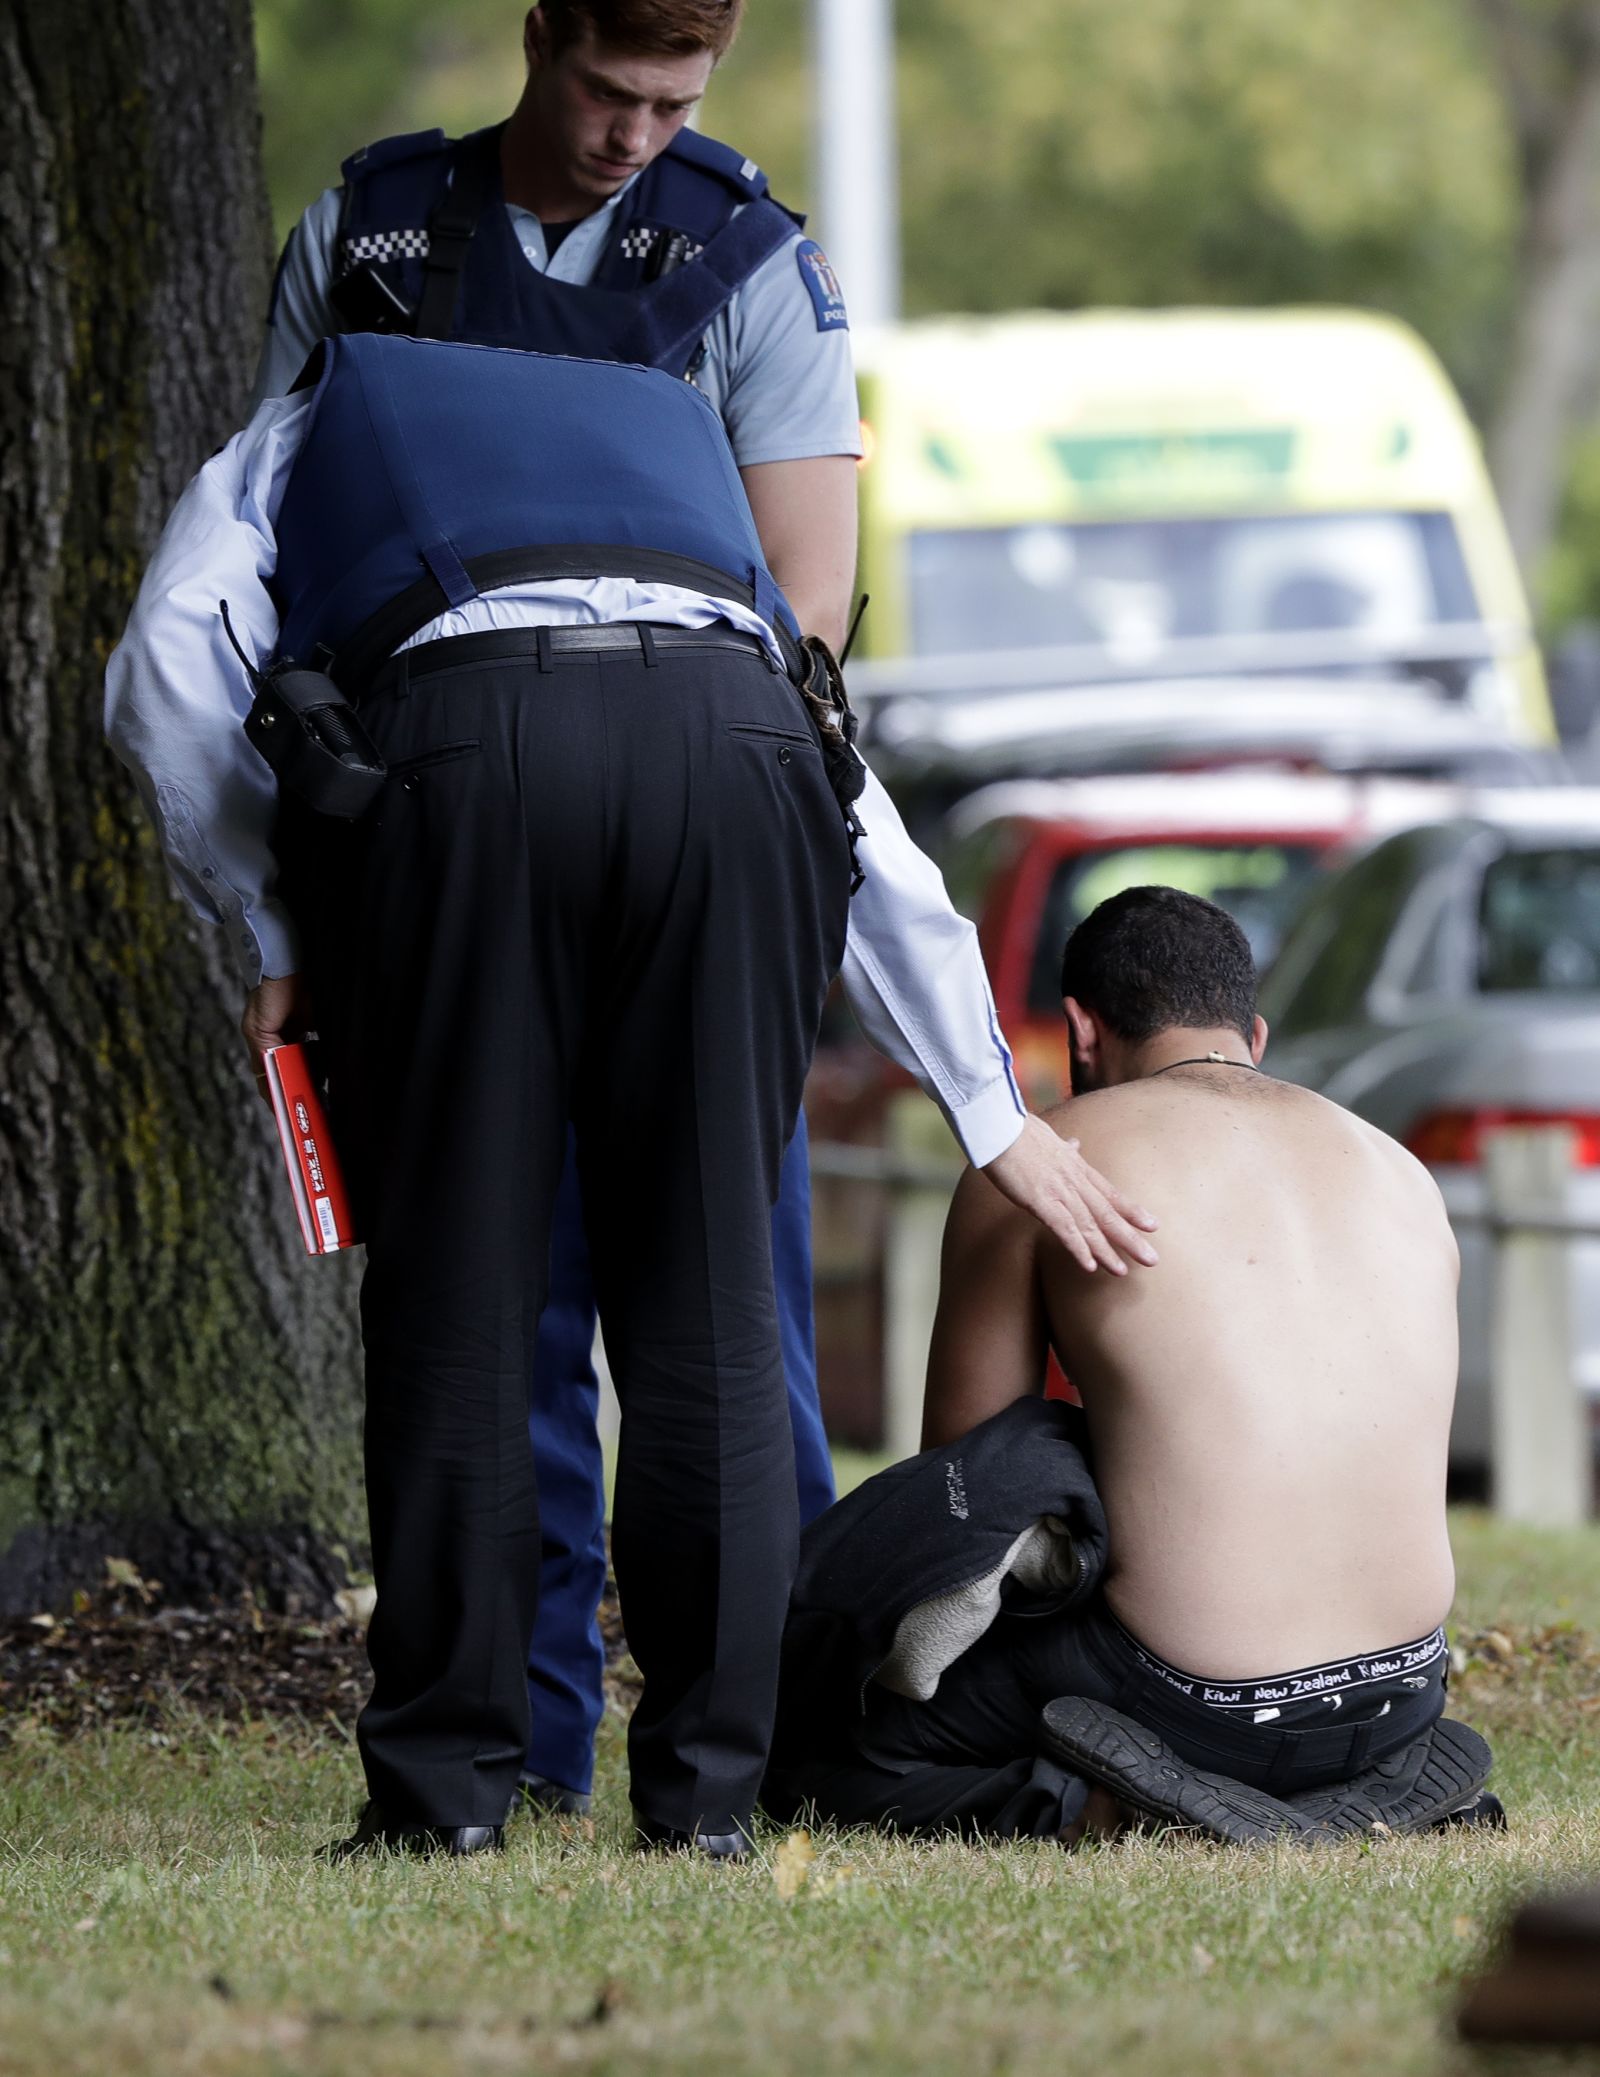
pixel 1268 1412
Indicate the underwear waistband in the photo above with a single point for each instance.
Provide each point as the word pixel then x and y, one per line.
pixel 1413 1665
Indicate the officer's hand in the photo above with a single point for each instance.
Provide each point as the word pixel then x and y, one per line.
pixel 277 1012
pixel 1095 1223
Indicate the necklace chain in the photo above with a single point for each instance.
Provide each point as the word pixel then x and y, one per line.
pixel 1203 1060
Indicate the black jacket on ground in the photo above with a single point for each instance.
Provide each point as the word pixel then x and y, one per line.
pixel 916 1531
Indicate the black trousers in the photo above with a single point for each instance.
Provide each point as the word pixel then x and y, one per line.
pixel 970 1759
pixel 612 889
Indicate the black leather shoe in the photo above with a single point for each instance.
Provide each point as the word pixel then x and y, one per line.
pixel 374 1833
pixel 711 1846
pixel 549 1799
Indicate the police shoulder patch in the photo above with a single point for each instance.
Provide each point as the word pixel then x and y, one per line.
pixel 822 286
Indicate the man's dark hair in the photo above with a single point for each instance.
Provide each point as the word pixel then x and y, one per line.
pixel 1154 959
pixel 649 28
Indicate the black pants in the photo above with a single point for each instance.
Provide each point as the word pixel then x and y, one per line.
pixel 612 890
pixel 970 1759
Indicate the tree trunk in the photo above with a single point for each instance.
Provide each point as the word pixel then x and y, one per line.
pixel 178 1383
pixel 1551 379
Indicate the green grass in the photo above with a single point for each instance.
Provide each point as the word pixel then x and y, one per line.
pixel 161 1912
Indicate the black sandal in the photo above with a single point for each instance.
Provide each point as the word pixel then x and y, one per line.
pixel 1425 1783
pixel 1142 1771
pixel 1433 1781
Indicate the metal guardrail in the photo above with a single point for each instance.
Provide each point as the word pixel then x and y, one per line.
pixel 891 1170
pixel 1519 1222
pixel 885 1166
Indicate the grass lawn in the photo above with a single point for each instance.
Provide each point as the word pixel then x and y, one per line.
pixel 161 1912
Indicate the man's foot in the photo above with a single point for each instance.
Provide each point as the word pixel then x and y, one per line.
pixel 545 1798
pixel 374 1833
pixel 1143 1773
pixel 710 1846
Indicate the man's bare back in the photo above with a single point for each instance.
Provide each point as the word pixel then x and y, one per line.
pixel 1270 1407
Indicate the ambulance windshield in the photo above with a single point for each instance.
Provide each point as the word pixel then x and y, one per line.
pixel 1133 587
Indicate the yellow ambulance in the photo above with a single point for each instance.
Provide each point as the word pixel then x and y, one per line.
pixel 1168 491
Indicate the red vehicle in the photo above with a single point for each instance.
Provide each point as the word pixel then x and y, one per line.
pixel 1029 860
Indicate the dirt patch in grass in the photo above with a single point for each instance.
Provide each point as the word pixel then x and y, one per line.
pixel 123 1654
pixel 1538 1679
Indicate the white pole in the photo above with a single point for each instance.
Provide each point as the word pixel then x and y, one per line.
pixel 917 1212
pixel 1542 1471
pixel 857 184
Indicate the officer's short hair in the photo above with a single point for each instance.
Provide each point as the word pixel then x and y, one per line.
pixel 1154 959
pixel 670 28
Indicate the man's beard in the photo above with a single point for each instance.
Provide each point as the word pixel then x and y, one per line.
pixel 1084 1078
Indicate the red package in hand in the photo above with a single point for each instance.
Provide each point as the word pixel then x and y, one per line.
pixel 315 1179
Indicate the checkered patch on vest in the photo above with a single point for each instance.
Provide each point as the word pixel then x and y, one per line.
pixel 356 251
pixel 637 242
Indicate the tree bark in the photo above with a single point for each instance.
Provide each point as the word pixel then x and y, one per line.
pixel 178 1383
pixel 1550 76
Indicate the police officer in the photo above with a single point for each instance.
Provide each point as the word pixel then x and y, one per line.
pixel 607 879
pixel 593 222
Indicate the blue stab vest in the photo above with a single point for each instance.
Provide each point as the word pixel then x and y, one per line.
pixel 433 471
pixel 693 227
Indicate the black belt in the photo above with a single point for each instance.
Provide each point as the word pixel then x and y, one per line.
pixel 549 645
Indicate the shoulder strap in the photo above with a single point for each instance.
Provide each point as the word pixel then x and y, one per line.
pixel 684 199
pixel 710 155
pixel 451 227
pixel 676 313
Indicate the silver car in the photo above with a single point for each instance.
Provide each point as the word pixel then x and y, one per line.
pixel 1447 981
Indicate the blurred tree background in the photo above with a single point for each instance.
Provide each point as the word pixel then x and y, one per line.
pixel 1440 160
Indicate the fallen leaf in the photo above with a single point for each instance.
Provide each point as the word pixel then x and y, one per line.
pixel 791 1866
pixel 43 1622
pixel 86 1925
pixel 1498 1645
pixel 1464 1928
pixel 122 1572
pixel 356 1604
pixel 1202 1958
